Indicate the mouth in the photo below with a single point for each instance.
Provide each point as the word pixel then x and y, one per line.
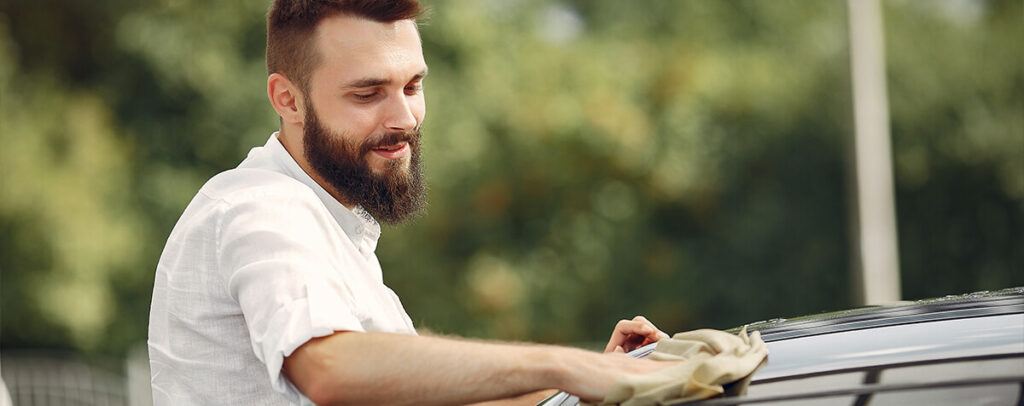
pixel 395 151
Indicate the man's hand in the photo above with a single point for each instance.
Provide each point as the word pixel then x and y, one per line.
pixel 592 378
pixel 632 334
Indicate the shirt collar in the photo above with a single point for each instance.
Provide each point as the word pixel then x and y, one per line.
pixel 357 223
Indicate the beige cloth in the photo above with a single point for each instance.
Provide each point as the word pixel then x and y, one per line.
pixel 710 359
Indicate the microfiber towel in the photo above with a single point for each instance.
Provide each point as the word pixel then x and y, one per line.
pixel 709 360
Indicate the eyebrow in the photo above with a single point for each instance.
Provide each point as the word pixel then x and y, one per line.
pixel 372 82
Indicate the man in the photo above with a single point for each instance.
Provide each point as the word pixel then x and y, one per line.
pixel 268 291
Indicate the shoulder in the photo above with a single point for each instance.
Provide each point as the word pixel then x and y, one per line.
pixel 246 213
pixel 249 197
pixel 242 185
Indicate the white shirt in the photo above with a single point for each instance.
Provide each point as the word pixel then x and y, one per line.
pixel 262 260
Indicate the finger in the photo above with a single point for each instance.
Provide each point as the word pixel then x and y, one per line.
pixel 632 334
pixel 655 333
pixel 616 338
pixel 627 341
pixel 619 349
pixel 623 332
pixel 625 327
pixel 638 327
pixel 643 320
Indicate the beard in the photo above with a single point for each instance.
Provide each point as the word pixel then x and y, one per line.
pixel 392 195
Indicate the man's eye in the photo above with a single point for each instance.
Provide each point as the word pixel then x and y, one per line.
pixel 364 96
pixel 413 89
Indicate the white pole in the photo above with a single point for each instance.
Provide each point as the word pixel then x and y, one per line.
pixel 879 275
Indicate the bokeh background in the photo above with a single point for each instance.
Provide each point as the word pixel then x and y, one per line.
pixel 587 160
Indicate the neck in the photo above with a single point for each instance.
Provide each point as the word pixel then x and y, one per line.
pixel 291 139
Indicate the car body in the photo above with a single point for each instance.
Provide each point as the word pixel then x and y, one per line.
pixel 955 350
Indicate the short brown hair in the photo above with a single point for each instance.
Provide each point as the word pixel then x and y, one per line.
pixel 291 50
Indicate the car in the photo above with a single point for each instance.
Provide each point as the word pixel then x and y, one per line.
pixel 954 350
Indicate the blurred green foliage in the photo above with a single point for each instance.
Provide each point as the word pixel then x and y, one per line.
pixel 587 160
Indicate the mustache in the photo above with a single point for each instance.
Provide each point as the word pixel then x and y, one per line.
pixel 391 138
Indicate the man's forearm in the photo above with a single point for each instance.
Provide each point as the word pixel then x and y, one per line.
pixel 349 368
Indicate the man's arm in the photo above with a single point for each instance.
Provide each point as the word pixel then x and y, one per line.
pixel 356 368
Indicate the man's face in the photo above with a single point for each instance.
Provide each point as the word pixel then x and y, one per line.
pixel 364 107
pixel 391 194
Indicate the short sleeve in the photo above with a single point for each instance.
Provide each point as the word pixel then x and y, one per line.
pixel 285 261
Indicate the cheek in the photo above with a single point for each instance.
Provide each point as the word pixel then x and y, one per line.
pixel 351 122
pixel 360 123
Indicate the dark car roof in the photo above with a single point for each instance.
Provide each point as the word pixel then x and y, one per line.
pixel 919 349
pixel 964 349
pixel 975 324
pixel 977 304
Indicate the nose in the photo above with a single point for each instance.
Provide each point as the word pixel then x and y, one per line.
pixel 400 115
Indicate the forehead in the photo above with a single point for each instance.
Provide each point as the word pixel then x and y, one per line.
pixel 354 47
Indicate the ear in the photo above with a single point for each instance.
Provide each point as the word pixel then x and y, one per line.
pixel 286 98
